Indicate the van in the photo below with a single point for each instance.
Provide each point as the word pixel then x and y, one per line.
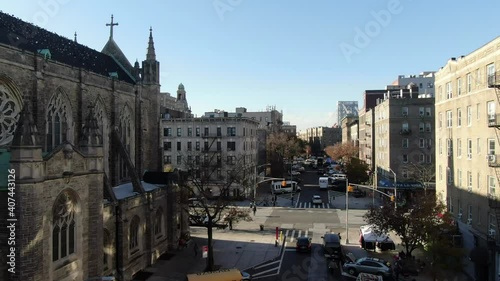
pixel 220 275
pixel 323 183
pixel 290 186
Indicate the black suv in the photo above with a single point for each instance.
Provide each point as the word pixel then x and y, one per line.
pixel 332 247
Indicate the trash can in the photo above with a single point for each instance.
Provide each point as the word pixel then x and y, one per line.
pixel 261 227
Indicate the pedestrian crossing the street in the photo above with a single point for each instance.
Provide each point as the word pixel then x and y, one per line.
pixel 310 205
pixel 291 235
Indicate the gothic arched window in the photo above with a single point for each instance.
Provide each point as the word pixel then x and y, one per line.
pixel 63 227
pixel 125 130
pixel 134 234
pixel 158 225
pixel 10 109
pixel 59 120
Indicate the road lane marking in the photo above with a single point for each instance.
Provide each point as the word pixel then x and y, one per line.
pixel 281 261
pixel 265 271
pixel 267 264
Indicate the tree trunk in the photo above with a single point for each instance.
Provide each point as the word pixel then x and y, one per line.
pixel 210 256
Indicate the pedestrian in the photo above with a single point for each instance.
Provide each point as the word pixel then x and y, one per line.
pixel 195 249
pixel 397 270
pixel 254 209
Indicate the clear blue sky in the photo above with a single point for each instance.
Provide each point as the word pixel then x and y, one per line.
pixel 287 53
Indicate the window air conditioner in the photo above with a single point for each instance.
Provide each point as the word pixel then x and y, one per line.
pixel 469 221
pixel 491 232
pixel 492 158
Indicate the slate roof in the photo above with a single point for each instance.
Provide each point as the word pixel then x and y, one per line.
pixel 26 36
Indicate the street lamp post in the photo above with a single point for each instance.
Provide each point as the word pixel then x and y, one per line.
pixel 395 188
pixel 255 180
pixel 346 210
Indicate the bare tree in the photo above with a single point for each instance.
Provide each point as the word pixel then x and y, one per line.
pixel 423 173
pixel 211 181
pixel 342 151
pixel 280 145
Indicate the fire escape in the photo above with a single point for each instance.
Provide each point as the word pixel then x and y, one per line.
pixel 212 158
pixel 493 159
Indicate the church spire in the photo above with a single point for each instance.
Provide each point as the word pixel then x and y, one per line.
pixel 76 41
pixel 151 46
pixel 26 133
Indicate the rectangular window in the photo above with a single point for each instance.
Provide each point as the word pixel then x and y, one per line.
pixel 449 119
pixel 206 131
pixel 190 146
pixel 421 143
pixel 219 146
pixel 469 116
pixel 178 146
pixel 190 132
pixel 440 120
pixel 449 92
pixel 491 146
pixel 405 143
pixel 179 132
pixel 449 147
pixel 197 146
pixel 469 180
pixel 459 148
pixel 469 82
pixel 230 160
pixel 405 158
pixel 179 160
pixel 449 175
pixel 429 158
pixel 490 72
pixel 168 159
pixel 231 131
pixel 405 173
pixel 167 132
pixel 197 160
pixel 459 117
pixel 469 214
pixel 491 186
pixel 428 111
pixel 469 149
pixel 205 146
pixel 428 127
pixel 231 146
pixel 459 86
pixel 167 146
pixel 421 127
pixel 491 112
pixel 459 178
pixel 421 158
pixel 197 131
pixel 421 111
pixel 219 131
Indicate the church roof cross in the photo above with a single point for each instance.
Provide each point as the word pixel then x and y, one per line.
pixel 111 27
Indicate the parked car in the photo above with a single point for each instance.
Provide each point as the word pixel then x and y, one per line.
pixel 303 244
pixel 368 265
pixel 331 246
pixel 316 199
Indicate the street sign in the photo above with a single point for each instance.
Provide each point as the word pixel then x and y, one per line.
pixel 205 252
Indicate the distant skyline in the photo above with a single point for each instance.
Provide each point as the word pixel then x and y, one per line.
pixel 300 56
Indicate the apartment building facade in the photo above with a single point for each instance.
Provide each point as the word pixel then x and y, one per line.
pixel 467 162
pixel 321 137
pixel 219 143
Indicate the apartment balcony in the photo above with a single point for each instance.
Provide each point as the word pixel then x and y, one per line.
pixel 405 132
pixel 494 80
pixel 493 120
pixel 493 160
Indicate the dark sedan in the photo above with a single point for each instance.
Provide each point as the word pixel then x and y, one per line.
pixel 303 244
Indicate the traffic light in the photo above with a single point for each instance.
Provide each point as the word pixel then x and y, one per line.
pixel 283 183
pixel 350 188
pixel 392 198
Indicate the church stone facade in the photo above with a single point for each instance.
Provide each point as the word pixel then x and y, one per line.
pixel 78 128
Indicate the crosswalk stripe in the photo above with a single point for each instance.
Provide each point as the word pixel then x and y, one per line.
pixel 306 233
pixel 292 236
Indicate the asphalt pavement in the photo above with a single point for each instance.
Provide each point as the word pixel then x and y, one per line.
pixel 251 249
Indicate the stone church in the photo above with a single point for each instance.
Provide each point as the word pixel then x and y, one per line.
pixel 78 129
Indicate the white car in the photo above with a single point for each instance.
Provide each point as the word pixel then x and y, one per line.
pixel 317 199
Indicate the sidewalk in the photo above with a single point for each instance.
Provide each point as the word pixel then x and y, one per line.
pixel 243 247
pixel 424 275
